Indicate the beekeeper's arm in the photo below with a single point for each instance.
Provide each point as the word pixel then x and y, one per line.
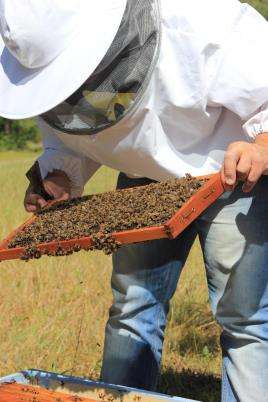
pixel 241 85
pixel 64 172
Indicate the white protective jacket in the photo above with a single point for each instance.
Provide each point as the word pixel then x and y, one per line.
pixel 209 88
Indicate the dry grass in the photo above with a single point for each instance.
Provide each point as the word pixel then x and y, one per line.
pixel 53 311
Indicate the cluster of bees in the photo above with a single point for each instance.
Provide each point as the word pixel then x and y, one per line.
pixel 98 216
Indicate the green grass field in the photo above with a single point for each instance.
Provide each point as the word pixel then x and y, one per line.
pixel 53 310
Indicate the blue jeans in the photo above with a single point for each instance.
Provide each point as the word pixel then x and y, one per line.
pixel 233 234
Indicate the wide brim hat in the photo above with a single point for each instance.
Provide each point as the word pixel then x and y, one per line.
pixel 31 91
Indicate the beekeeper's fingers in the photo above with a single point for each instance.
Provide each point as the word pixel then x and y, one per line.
pixel 228 171
pixel 63 197
pixel 33 202
pixel 244 166
pixel 253 176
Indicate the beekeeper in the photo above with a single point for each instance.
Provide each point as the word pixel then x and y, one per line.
pixel 156 91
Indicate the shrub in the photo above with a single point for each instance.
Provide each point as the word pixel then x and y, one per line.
pixel 18 134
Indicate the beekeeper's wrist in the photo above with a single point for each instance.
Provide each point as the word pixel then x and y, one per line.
pixel 262 141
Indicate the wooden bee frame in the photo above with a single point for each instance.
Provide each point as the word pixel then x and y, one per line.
pixel 198 203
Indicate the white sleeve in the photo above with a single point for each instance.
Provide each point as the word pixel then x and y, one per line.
pixel 258 123
pixel 57 156
pixel 240 83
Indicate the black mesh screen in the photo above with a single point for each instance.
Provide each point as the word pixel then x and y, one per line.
pixel 120 79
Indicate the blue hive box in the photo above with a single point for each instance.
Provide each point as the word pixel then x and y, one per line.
pixel 98 391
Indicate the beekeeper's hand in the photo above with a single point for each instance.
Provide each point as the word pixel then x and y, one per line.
pixel 245 161
pixel 56 184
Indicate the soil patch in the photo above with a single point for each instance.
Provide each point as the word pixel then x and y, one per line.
pixel 102 214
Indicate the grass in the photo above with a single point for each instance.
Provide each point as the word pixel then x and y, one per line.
pixel 53 311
